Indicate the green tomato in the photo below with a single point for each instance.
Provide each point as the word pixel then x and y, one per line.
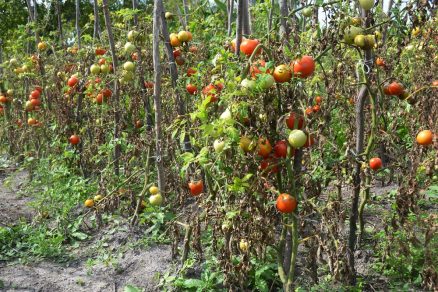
pixel 132 35
pixel 297 138
pixel 218 146
pixel 129 48
pixel 129 66
pixel 266 81
pixel 307 12
pixel 156 200
pixel 351 32
pixel 366 4
pixel 95 69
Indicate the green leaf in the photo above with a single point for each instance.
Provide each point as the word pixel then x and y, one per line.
pixel 130 288
pixel 432 191
pixel 193 283
pixel 79 235
pixel 221 6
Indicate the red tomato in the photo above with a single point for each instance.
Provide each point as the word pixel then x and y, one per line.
pixel 196 187
pixel 375 163
pixel 269 163
pixel 290 122
pixel 309 141
pixel 74 139
pixel 248 46
pixel 176 53
pixel 100 52
pixel 304 67
pixel 72 81
pixel 286 203
pixel 280 149
pixel 210 90
pixel 191 88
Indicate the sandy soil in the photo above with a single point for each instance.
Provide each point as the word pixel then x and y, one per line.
pixel 134 267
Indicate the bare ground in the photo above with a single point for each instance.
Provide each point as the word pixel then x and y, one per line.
pixel 137 267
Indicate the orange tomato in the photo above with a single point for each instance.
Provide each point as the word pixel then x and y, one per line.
pixel 248 46
pixel 425 137
pixel 264 147
pixel 196 187
pixel 395 88
pixel 286 203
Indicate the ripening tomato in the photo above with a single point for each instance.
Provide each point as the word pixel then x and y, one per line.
pixel 39 88
pixel 149 84
pixel 138 124
pixel 191 71
pixel 101 61
pixel 316 108
pixel 248 46
pixel 318 99
pixel 106 92
pixel 72 81
pixel 174 41
pixel 395 88
pixel 425 137
pixel 99 98
pixel 282 73
pixel 264 147
pixel 435 83
pixel 196 187
pixel 191 88
pixel 280 149
pixel 309 111
pixel 380 62
pixel 286 203
pixel 304 67
pixel 193 49
pixel 375 163
pixel 74 139
pixel 255 68
pixel 3 99
pixel 31 121
pixel 180 60
pixel 290 122
pixel 35 102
